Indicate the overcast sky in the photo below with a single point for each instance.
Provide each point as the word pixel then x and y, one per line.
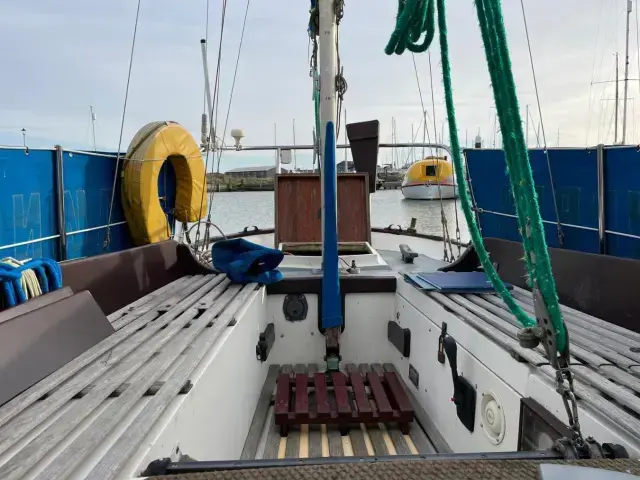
pixel 59 57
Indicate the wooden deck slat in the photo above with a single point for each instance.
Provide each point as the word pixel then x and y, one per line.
pixel 341 395
pixel 398 393
pixel 283 392
pixel 615 352
pixel 621 377
pixel 315 441
pixel 597 338
pixel 572 314
pixel 579 345
pixel 376 435
pixel 119 408
pixel 322 398
pixel 149 302
pixel 302 395
pixel 293 444
pixel 272 442
pixel 335 442
pixel 360 394
pixel 260 416
pixel 118 345
pixel 109 466
pixel 357 442
pixel 379 395
pixel 426 423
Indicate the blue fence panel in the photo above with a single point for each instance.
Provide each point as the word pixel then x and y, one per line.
pixel 88 182
pixel 574 173
pixel 27 203
pixel 622 201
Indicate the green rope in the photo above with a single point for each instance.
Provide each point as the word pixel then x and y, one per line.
pixel 414 18
pixel 414 14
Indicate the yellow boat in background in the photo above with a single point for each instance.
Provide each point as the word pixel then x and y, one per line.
pixel 430 179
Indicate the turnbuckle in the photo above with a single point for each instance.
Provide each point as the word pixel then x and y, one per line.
pixel 544 333
pixel 569 398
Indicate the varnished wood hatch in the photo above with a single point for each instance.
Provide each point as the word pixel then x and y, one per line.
pixel 298 208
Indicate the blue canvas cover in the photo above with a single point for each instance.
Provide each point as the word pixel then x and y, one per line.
pixel 245 262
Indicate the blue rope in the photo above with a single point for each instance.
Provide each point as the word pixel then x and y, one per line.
pixel 47 272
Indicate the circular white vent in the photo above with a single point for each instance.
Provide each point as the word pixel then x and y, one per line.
pixel 493 422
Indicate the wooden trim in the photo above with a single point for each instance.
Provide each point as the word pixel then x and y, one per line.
pixel 354 222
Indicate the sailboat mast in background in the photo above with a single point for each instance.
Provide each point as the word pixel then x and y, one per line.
pixel 93 127
pixel 626 76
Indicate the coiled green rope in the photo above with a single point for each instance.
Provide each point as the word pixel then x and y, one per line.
pixel 413 17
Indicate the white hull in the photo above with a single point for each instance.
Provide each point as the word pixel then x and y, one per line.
pixel 430 192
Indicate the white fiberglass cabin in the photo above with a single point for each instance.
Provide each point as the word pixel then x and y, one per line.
pixel 148 363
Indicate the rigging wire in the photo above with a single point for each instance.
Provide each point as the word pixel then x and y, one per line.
pixel 637 44
pixel 433 101
pixel 435 133
pixel 560 234
pixel 233 85
pixel 213 124
pixel 341 83
pixel 415 70
pixel 107 237
pixel 443 218
pixel 593 76
pixel 603 114
pixel 206 42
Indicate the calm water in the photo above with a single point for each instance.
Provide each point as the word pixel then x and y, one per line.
pixel 232 211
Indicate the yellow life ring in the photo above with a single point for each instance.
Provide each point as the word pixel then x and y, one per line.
pixel 154 144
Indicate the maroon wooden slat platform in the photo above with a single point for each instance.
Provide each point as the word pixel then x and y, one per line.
pixel 341 399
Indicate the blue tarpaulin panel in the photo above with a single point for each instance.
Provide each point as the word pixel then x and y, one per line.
pixel 575 175
pixel 622 201
pixel 575 178
pixel 28 203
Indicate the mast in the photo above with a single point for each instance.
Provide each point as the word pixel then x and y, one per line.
pixel 424 131
pixel 93 127
pixel 331 319
pixel 346 141
pixel 412 154
pixel 275 142
pixel 328 71
pixel 626 78
pixel 295 152
pixel 615 134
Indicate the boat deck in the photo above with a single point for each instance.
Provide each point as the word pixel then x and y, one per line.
pixel 264 440
pixel 605 357
pixel 88 415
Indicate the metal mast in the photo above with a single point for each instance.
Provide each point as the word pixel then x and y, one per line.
pixel 331 311
pixel 615 134
pixel 626 77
